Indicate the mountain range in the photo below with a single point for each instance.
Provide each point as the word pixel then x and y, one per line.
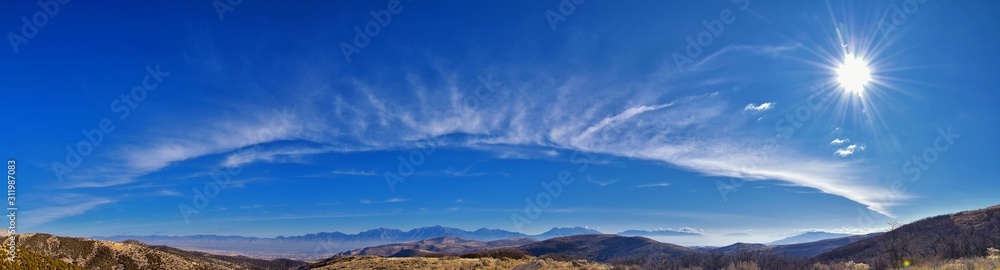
pixel 808 237
pixel 967 234
pixel 324 244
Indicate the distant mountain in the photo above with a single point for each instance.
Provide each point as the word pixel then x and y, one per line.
pixel 808 237
pixel 814 248
pixel 99 254
pixel 604 247
pixel 657 233
pixel 962 234
pixel 325 244
pixel 439 245
pixel 559 232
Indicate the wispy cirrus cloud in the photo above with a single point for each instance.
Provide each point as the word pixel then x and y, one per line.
pixel 653 185
pixel 66 205
pixel 700 132
pixel 354 172
pixel 390 200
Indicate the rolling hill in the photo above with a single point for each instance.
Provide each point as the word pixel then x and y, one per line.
pixel 962 234
pixel 604 247
pixel 811 249
pixel 100 254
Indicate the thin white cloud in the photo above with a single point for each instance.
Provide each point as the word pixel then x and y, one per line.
pixel 765 50
pixel 601 183
pixel 168 192
pixel 654 185
pixel 354 172
pixel 67 205
pixel 758 108
pixel 839 141
pixel 154 153
pixel 390 200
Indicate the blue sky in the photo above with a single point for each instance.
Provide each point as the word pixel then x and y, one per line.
pixel 489 103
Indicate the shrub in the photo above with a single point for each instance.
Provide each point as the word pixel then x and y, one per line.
pixel 498 253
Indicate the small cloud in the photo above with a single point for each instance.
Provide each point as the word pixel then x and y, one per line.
pixel 688 230
pixel 849 150
pixel 167 192
pixel 601 183
pixel 392 200
pixel 354 172
pixel 839 141
pixel 742 233
pixel 512 155
pixel 758 108
pixel 654 185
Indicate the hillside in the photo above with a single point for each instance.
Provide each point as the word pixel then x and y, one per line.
pixel 962 234
pixel 440 245
pixel 805 250
pixel 100 254
pixel 811 249
pixel 739 247
pixel 604 247
pixel 27 260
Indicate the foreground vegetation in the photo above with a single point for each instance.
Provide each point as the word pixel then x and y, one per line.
pixel 756 261
pixel 27 260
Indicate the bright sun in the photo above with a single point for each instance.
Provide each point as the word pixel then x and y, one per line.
pixel 854 74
